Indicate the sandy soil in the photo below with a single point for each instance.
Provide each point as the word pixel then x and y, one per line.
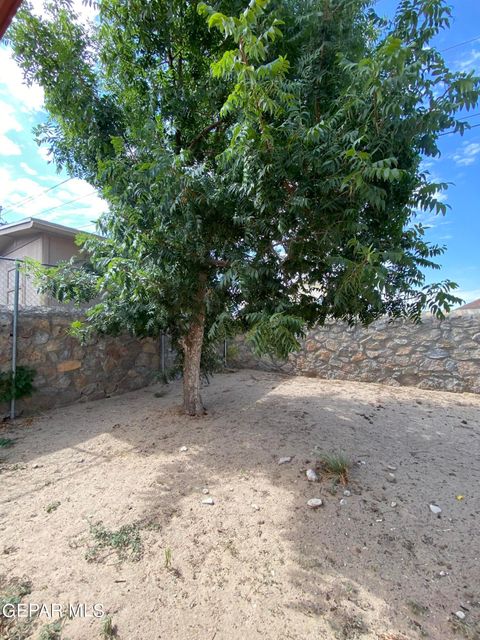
pixel 258 563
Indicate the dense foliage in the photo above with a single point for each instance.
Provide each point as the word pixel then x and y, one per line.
pixel 262 162
pixel 19 387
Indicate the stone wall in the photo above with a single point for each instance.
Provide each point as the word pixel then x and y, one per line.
pixel 433 355
pixel 66 370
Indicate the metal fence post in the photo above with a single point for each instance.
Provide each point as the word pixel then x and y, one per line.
pixel 14 337
pixel 162 352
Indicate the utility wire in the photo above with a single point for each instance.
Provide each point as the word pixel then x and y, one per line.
pixel 460 44
pixel 12 207
pixel 64 204
pixel 453 131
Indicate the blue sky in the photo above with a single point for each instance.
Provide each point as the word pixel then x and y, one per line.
pixel 25 173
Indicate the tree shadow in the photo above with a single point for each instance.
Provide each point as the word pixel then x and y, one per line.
pixel 368 564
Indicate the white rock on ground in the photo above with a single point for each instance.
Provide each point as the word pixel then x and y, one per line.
pixel 208 501
pixel 205 491
pixel 285 460
pixel 312 475
pixel 460 615
pixel 435 509
pixel 314 503
pixel 182 449
pixel 347 493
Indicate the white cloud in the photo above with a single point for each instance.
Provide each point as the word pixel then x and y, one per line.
pixel 44 153
pixel 27 169
pixel 8 147
pixel 467 154
pixel 8 121
pixel 468 295
pixel 12 85
pixel 470 62
pixel 85 13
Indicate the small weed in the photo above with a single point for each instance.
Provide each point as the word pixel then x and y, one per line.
pixel 462 628
pixel 126 542
pixel 336 464
pixel 6 443
pixel 417 608
pixel 52 631
pixel 53 506
pixel 168 558
pixel 109 630
pixel 10 597
pixel 14 593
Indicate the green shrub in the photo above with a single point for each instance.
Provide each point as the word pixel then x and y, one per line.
pixel 22 387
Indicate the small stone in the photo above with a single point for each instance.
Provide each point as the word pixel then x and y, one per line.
pixel 205 491
pixel 361 462
pixel 285 460
pixel 391 478
pixel 208 501
pixel 314 503
pixel 434 509
pixel 182 449
pixel 255 507
pixel 36 466
pixel 442 574
pixel 342 502
pixel 312 475
pixel 391 467
pixel 347 493
pixel 393 504
pixel 460 615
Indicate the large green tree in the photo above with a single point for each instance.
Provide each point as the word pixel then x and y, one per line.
pixel 262 162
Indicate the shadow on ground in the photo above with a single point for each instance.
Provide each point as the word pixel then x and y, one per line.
pixel 259 563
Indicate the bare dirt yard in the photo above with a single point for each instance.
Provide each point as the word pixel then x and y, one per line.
pixel 102 504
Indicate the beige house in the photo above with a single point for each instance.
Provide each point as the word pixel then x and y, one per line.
pixel 47 242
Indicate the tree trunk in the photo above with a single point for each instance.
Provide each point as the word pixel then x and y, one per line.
pixel 192 352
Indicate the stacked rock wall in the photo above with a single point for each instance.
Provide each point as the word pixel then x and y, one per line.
pixel 443 355
pixel 68 371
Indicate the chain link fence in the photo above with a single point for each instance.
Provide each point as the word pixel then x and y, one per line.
pixel 28 295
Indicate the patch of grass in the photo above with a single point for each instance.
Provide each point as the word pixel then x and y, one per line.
pixel 53 506
pixel 108 630
pixel 125 542
pixel 336 464
pixel 6 443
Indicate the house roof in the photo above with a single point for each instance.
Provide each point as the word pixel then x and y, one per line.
pixel 472 305
pixel 27 226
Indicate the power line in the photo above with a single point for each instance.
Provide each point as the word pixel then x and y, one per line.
pixel 460 44
pixel 30 198
pixel 474 115
pixel 453 131
pixel 64 204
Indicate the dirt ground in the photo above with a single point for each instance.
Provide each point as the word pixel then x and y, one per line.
pixel 258 563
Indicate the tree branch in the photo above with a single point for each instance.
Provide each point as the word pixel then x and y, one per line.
pixel 204 132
